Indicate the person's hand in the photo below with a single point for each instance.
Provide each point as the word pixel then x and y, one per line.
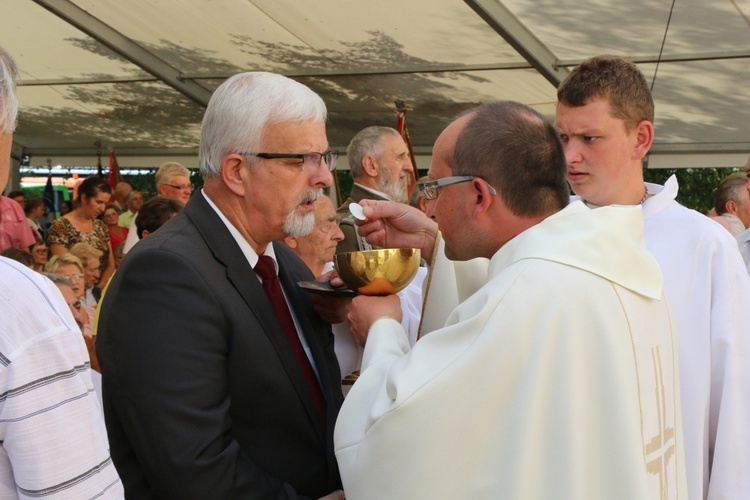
pixel 365 310
pixel 395 225
pixel 332 277
pixel 336 495
pixel 331 309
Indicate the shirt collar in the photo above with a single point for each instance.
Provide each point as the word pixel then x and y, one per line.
pixel 373 191
pixel 247 250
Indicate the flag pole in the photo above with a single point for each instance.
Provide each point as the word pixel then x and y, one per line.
pixel 99 172
pixel 114 171
pixel 402 129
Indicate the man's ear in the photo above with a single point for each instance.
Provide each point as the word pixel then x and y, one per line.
pixel 290 241
pixel 483 198
pixel 145 233
pixel 232 173
pixel 732 207
pixel 644 139
pixel 368 164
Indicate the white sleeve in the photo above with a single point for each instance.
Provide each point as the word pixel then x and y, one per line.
pixel 132 238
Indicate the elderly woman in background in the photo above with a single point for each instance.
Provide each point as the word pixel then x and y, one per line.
pixel 83 226
pixel 74 303
pixel 117 233
pixel 71 267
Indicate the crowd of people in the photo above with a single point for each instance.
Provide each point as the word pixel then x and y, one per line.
pixel 550 346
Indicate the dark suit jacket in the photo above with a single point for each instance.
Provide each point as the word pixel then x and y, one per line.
pixel 203 397
pixel 350 242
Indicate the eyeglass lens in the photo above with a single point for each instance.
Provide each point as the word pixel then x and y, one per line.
pixel 315 158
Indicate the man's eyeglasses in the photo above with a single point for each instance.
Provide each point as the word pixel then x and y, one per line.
pixel 41 250
pixel 310 160
pixel 430 188
pixel 188 187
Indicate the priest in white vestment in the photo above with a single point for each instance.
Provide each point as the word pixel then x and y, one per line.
pixel 605 116
pixel 556 379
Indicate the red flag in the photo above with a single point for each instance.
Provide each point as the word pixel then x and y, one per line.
pixel 401 128
pixel 114 171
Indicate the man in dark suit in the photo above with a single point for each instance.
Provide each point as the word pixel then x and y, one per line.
pixel 380 166
pixel 207 394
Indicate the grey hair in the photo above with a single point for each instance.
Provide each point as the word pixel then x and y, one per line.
pixel 242 107
pixel 169 170
pixel 58 279
pixel 84 251
pixel 730 189
pixel 367 142
pixel 8 97
pixel 134 192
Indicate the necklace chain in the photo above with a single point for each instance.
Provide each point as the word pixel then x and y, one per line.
pixel 645 194
pixel 645 197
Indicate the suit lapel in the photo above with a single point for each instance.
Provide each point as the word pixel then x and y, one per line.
pixel 243 278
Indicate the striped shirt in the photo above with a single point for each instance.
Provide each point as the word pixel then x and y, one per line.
pixel 53 443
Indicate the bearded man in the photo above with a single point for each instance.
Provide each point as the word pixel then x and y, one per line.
pixel 380 165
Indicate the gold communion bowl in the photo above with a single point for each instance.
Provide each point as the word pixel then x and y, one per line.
pixel 378 272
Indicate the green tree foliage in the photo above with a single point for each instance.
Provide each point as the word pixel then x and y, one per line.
pixel 345 183
pixel 697 185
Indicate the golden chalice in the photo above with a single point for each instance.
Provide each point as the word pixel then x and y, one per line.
pixel 378 272
pixel 383 271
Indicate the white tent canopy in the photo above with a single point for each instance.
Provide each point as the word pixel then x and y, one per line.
pixel 135 75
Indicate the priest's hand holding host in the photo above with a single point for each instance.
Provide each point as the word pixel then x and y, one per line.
pixel 396 225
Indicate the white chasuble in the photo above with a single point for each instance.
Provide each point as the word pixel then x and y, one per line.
pixel 556 379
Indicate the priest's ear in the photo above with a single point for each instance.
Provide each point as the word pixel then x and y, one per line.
pixel 483 194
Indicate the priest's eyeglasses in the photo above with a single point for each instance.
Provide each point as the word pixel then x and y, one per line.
pixel 430 188
pixel 310 160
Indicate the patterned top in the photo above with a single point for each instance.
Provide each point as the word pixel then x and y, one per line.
pixel 54 443
pixel 64 233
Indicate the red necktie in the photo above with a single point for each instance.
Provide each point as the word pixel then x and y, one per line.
pixel 267 271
